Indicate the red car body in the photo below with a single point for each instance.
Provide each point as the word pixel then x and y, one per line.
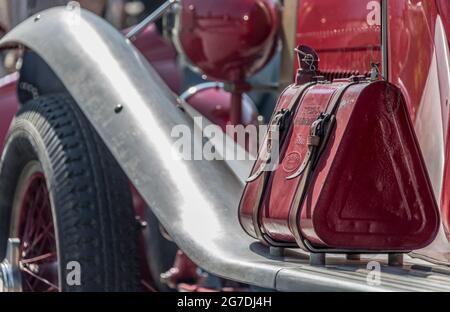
pixel 10 104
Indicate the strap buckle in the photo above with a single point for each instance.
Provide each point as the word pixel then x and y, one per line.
pixel 276 128
pixel 314 141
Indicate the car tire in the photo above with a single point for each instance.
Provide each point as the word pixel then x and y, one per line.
pixel 89 196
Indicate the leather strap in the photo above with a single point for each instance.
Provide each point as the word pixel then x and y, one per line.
pixel 320 132
pixel 261 172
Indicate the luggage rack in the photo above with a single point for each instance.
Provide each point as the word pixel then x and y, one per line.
pixel 398 272
pixel 319 259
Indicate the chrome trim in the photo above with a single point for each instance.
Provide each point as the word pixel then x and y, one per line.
pixel 200 87
pixel 157 14
pixel 10 275
pixel 191 91
pixel 195 201
pixel 220 85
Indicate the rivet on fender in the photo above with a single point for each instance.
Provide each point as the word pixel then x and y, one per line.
pixel 118 109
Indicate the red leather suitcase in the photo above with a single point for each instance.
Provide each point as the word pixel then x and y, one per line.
pixel 350 178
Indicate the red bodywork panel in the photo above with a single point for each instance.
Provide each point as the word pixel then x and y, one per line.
pixel 341 35
pixel 215 104
pixel 9 104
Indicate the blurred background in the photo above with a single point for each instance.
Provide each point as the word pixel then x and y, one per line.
pixel 123 14
pixel 120 13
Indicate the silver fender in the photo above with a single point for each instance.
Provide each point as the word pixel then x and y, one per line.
pixel 196 201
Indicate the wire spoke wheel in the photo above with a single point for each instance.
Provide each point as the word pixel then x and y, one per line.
pixel 38 261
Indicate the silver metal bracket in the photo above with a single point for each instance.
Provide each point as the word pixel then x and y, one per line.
pixel 353 257
pixel 395 259
pixel 317 259
pixel 10 277
pixel 276 251
pixel 157 14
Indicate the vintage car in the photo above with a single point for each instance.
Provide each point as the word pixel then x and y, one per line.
pixel 93 199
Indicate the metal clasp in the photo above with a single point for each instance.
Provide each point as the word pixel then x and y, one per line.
pixel 314 141
pixel 276 127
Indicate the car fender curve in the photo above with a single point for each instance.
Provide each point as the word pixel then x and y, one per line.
pixel 134 113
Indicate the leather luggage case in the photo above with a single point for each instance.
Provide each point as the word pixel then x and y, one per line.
pixel 357 183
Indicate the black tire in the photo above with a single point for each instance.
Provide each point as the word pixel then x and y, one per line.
pixel 89 194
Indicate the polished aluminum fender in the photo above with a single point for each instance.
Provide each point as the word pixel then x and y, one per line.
pixel 134 112
pixel 196 201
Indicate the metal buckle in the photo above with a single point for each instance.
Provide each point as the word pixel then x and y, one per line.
pixel 276 125
pixel 314 141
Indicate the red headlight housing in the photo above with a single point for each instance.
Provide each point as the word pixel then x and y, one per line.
pixel 227 40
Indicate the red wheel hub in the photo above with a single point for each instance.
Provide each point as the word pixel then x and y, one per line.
pixel 38 257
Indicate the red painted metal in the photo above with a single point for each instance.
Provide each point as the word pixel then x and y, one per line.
pixel 9 104
pixel 444 12
pixel 410 69
pixel 340 33
pixel 228 40
pixel 445 104
pixel 369 190
pixel 236 108
pixel 38 256
pixel 2 30
pixel 421 71
pixel 215 104
pixel 183 271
